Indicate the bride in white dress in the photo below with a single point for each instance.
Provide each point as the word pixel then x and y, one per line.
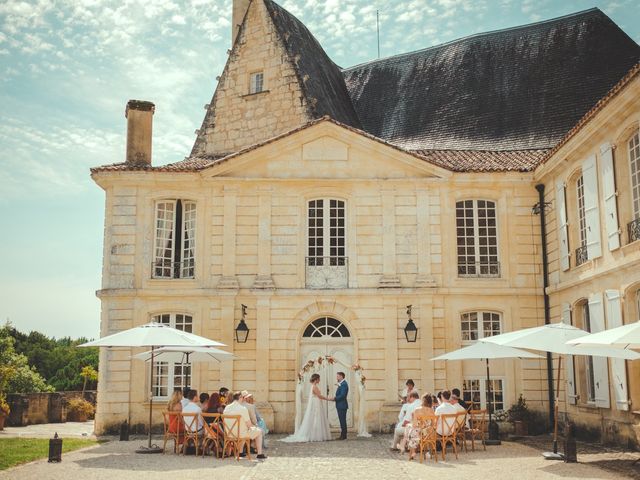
pixel 315 424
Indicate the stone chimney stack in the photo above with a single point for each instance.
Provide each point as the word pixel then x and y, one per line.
pixel 139 115
pixel 239 10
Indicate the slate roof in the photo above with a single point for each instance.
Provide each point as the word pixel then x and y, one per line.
pixel 320 79
pixel 515 89
pixel 484 160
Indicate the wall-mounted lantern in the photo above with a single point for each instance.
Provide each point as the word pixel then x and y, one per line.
pixel 242 330
pixel 410 331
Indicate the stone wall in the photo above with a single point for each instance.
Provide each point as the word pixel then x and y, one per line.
pixel 34 408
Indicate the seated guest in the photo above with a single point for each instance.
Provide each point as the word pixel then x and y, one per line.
pixel 455 401
pixel 175 423
pixel 193 407
pixel 247 430
pixel 185 400
pixel 244 401
pixel 412 433
pixel 445 408
pixel 204 400
pixel 409 387
pixel 455 392
pixel 439 398
pixel 250 403
pixel 213 405
pixel 404 418
pixel 224 396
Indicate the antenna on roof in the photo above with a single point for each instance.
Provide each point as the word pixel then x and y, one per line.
pixel 378 29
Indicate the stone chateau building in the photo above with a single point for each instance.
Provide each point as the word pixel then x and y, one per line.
pixel 327 200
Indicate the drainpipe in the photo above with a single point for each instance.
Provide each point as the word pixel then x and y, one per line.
pixel 545 282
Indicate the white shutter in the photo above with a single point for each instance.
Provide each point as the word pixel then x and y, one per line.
pixel 618 365
pixel 600 364
pixel 591 212
pixel 568 362
pixel 563 236
pixel 609 195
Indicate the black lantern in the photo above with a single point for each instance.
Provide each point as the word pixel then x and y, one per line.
pixel 242 330
pixel 55 449
pixel 410 331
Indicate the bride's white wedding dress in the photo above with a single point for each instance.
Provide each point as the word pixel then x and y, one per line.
pixel 315 424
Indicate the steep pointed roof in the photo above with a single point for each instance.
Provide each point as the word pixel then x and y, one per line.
pixel 514 89
pixel 320 79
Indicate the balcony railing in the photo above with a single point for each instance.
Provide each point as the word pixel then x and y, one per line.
pixel 327 272
pixel 486 269
pixel 633 228
pixel 167 269
pixel 582 255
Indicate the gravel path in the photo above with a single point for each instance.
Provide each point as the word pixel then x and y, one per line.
pixel 355 459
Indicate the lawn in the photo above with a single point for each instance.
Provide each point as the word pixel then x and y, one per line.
pixel 15 451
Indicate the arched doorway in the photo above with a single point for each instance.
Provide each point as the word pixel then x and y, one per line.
pixel 329 336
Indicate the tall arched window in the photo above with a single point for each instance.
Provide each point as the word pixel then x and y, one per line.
pixel 326 263
pixel 477 235
pixel 634 174
pixel 174 242
pixel 170 375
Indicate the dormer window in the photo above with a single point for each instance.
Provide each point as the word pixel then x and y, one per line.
pixel 256 82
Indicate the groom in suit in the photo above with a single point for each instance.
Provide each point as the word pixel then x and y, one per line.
pixel 341 404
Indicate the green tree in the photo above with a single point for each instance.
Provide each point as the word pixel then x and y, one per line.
pixel 16 374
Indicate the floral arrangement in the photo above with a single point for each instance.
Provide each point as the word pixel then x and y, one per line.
pixel 311 365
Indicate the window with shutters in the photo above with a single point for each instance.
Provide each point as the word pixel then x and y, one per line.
pixel 477 325
pixel 477 238
pixel 633 227
pixel 586 380
pixel 175 242
pixel 326 261
pixel 581 251
pixel 168 376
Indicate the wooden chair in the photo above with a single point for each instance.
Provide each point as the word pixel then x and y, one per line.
pixel 233 442
pixel 191 432
pixel 428 436
pixel 477 427
pixel 446 427
pixel 173 430
pixel 213 434
pixel 461 427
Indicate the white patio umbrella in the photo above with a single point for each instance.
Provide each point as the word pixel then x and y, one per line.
pixel 186 355
pixel 624 337
pixel 487 351
pixel 553 338
pixel 154 335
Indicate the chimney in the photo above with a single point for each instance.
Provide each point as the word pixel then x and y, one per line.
pixel 239 11
pixel 139 115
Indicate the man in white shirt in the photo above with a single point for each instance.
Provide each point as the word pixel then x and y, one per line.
pixel 404 418
pixel 185 400
pixel 193 407
pixel 445 408
pixel 247 430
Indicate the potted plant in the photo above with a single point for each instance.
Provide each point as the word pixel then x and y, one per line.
pixel 79 410
pixel 4 410
pixel 520 415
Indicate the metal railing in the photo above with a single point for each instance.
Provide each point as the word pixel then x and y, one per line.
pixel 582 255
pixel 486 269
pixel 167 269
pixel 633 229
pixel 327 272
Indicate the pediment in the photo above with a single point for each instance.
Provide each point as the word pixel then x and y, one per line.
pixel 325 150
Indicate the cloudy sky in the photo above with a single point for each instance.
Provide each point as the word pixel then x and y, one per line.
pixel 68 67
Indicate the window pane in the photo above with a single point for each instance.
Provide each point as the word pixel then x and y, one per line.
pixel 164 239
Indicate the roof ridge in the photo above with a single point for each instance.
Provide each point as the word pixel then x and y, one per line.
pixel 477 35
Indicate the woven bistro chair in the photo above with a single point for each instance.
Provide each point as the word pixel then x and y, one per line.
pixel 477 427
pixel 191 433
pixel 173 430
pixel 213 435
pixel 233 442
pixel 428 436
pixel 447 425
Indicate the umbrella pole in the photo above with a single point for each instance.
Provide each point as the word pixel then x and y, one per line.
pixel 149 448
pixel 494 430
pixel 555 455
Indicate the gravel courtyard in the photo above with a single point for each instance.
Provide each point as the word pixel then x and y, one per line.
pixel 354 459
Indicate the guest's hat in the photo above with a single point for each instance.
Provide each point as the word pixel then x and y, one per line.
pixel 245 393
